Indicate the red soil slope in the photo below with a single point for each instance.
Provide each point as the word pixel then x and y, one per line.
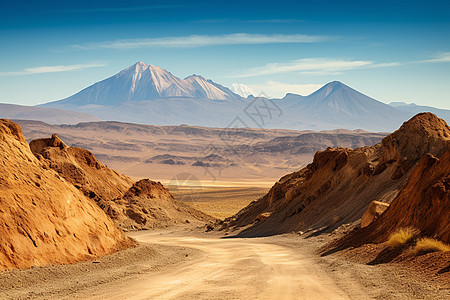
pixel 43 218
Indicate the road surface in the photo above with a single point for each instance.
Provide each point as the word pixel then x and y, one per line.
pixel 230 269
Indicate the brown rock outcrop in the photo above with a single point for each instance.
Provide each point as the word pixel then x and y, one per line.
pixel 373 212
pixel 81 168
pixel 148 204
pixel 43 218
pixel 423 204
pixel 143 205
pixel 340 183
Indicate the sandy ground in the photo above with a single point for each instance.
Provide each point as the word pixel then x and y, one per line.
pixel 194 265
pixel 218 201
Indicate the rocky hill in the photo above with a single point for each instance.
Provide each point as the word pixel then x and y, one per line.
pixel 43 218
pixel 142 205
pixel 148 204
pixel 422 204
pixel 338 186
pixel 79 167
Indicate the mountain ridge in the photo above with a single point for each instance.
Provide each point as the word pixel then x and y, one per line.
pixel 148 94
pixel 141 82
pixel 44 114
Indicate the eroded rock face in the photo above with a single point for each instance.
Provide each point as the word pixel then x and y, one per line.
pixel 148 204
pixel 340 183
pixel 424 133
pixel 37 146
pixel 81 168
pixel 423 204
pixel 143 205
pixel 43 218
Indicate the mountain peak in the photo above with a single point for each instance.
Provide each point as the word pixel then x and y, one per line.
pixel 142 66
pixel 141 81
pixel 329 89
pixel 195 76
pixel 138 67
pixel 335 85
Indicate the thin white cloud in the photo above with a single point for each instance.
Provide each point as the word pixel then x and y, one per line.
pixel 268 21
pixel 51 69
pixel 314 66
pixel 443 57
pixel 277 89
pixel 125 9
pixel 193 41
pixel 276 21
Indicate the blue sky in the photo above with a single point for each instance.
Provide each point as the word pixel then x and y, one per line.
pixel 390 50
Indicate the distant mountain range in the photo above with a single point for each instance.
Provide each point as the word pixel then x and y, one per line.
pixel 44 114
pixel 148 94
pixel 413 109
pixel 336 104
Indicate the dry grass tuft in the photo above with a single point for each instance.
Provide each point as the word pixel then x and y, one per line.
pixel 402 237
pixel 427 245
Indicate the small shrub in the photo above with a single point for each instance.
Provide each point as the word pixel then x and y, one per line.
pixel 402 237
pixel 427 245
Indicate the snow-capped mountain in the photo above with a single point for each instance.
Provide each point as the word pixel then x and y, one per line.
pixel 146 82
pixel 203 88
pixel 148 94
pixel 243 90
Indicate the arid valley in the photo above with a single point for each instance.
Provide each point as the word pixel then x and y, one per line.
pixel 229 150
pixel 227 238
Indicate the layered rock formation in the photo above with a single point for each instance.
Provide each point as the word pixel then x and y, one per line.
pixel 338 186
pixel 423 204
pixel 143 205
pixel 43 218
pixel 81 168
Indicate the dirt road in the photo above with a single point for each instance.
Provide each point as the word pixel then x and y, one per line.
pixel 230 269
pixel 189 264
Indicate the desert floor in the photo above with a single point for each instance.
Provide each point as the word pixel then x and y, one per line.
pixel 216 200
pixel 190 264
